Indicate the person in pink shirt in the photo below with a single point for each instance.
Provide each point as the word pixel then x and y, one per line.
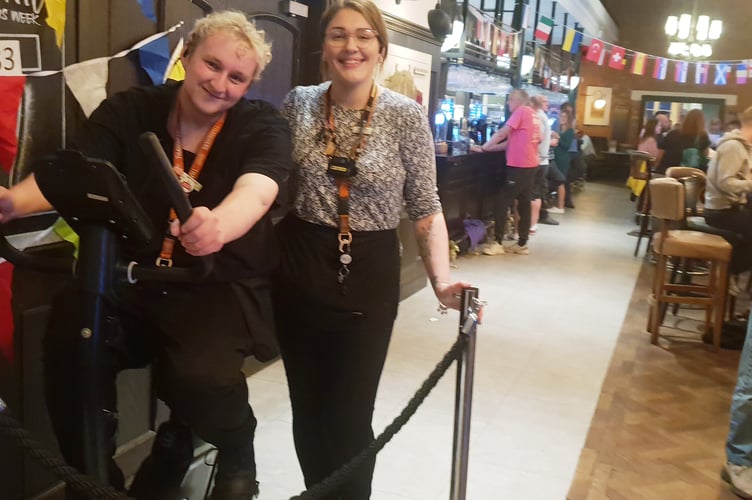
pixel 519 137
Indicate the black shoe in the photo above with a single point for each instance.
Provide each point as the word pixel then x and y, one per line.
pixel 161 473
pixel 549 221
pixel 241 485
pixel 569 204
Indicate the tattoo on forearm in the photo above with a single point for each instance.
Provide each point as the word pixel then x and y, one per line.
pixel 423 237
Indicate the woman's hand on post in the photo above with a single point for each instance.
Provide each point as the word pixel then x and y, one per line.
pixel 450 294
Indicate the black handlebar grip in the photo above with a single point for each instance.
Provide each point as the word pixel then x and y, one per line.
pixel 153 150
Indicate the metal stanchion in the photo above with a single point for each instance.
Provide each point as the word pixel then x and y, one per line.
pixel 463 402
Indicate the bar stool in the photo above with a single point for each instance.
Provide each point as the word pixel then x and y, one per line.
pixel 668 204
pixel 641 165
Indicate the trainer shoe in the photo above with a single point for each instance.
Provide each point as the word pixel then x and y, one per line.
pixel 734 287
pixel 534 229
pixel 740 479
pixel 555 210
pixel 517 249
pixel 548 221
pixel 494 248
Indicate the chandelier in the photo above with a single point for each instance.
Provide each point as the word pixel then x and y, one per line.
pixel 691 36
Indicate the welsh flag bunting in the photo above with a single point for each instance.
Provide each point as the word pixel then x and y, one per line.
pixel 544 28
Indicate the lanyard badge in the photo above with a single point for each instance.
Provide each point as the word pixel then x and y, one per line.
pixel 342 169
pixel 188 180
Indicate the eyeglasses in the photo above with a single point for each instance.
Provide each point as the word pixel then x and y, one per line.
pixel 363 37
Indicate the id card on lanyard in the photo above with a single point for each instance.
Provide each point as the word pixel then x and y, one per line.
pixel 188 180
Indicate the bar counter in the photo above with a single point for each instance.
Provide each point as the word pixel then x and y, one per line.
pixel 467 186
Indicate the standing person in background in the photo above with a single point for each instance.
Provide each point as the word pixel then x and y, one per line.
pixel 540 185
pixel 562 151
pixel 364 153
pixel 664 127
pixel 519 137
pixel 649 140
pixel 237 152
pixel 692 134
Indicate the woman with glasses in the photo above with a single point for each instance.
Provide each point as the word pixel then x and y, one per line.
pixel 363 152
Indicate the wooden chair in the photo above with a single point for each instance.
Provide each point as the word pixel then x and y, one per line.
pixel 694 181
pixel 641 166
pixel 667 205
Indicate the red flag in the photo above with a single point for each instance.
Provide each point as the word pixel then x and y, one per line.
pixel 616 60
pixel 596 51
pixel 11 88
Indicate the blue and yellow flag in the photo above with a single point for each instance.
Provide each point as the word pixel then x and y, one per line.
pixel 572 40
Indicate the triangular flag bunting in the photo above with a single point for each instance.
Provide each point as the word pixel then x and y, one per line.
pixel 56 18
pixel 87 81
pixel 155 58
pixel 11 88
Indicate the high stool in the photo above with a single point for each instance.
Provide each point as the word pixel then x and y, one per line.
pixel 641 165
pixel 667 204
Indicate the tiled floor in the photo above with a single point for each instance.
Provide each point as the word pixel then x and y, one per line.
pixel 549 331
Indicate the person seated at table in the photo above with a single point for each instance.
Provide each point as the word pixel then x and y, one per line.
pixel 727 189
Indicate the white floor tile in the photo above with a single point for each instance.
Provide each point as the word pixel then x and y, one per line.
pixel 548 334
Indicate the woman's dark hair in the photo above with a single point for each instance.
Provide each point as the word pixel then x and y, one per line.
pixel 693 124
pixel 650 127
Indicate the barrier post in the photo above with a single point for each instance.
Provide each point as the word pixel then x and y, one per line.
pixel 463 399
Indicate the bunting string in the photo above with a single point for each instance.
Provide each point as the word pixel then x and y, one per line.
pixel 122 53
pixel 616 57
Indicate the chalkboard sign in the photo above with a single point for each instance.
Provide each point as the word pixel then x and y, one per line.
pixel 31 118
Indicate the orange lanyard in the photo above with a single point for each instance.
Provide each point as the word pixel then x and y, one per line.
pixel 343 183
pixel 187 181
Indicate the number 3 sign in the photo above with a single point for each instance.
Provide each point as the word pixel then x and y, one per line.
pixel 10 58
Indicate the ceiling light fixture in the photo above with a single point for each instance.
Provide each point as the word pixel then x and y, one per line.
pixel 691 36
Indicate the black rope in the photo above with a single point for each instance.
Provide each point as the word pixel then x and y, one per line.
pixel 338 478
pixel 83 484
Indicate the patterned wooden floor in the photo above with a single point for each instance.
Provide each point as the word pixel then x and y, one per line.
pixel 659 428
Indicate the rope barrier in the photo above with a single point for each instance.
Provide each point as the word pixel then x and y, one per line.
pixel 338 478
pixel 84 484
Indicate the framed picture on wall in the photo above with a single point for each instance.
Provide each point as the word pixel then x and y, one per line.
pixel 408 72
pixel 597 106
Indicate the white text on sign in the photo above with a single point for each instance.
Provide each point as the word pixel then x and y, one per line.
pixel 10 58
